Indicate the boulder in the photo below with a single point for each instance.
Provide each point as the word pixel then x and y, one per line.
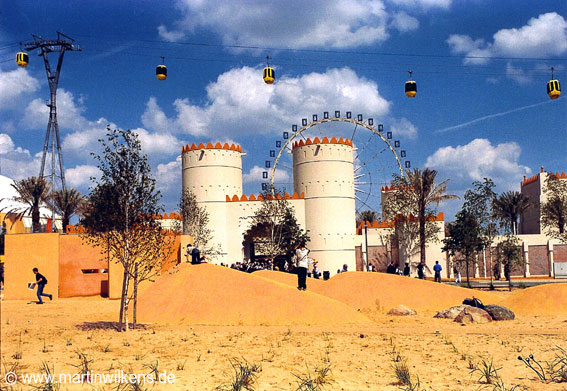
pixel 473 315
pixel 450 313
pixel 499 313
pixel 402 310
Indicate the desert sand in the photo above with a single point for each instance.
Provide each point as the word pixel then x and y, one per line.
pixel 199 318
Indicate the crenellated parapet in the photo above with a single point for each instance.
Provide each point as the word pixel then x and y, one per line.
pixel 269 197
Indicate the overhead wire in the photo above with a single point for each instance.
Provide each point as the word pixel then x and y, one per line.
pixel 267 48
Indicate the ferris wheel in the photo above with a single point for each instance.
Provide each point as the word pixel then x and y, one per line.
pixel 377 155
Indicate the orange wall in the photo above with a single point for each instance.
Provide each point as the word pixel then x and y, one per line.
pixel 74 257
pixel 23 253
pixel 116 271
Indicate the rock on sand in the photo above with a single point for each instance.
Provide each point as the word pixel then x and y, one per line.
pixel 401 310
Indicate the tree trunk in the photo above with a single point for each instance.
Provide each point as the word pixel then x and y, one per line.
pixel 135 296
pixel 467 266
pixel 422 237
pixel 123 298
pixel 36 227
pixel 491 267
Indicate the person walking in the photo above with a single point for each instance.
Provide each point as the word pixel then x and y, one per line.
pixel 420 273
pixel 391 269
pixel 457 275
pixel 301 263
pixel 40 281
pixel 437 269
pixel 407 270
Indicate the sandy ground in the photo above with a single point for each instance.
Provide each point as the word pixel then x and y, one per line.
pixel 361 350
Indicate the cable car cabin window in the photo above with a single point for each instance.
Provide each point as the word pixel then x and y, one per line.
pixel 549 87
pixel 268 72
pixel 411 87
pixel 557 86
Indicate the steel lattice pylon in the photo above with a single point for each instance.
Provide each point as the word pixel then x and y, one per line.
pixel 45 47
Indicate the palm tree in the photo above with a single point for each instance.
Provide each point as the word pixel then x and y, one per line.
pixel 32 192
pixel 416 192
pixel 508 207
pixel 67 203
pixel 366 215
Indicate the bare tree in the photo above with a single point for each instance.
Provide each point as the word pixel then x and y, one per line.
pixel 121 210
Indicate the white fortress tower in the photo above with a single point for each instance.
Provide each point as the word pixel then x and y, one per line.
pixel 212 172
pixel 324 171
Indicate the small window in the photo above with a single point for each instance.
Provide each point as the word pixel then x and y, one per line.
pixel 557 86
pixel 549 85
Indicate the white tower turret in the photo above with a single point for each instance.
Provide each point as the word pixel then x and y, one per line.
pixel 212 172
pixel 324 171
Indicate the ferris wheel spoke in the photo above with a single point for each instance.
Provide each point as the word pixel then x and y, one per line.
pixel 354 131
pixel 364 202
pixel 359 151
pixel 379 153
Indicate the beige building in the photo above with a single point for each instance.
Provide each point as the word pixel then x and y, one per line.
pixel 324 205
pixel 323 198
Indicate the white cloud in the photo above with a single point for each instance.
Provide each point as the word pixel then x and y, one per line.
pixel 16 162
pixel 154 118
pixel 544 36
pixel 403 128
pixel 69 113
pixel 479 159
pixel 423 3
pixel 169 174
pixel 6 143
pixel 14 84
pixel 321 23
pixel 404 23
pixel 265 109
pixel 517 74
pixel 79 176
pixel 255 175
pixel 158 143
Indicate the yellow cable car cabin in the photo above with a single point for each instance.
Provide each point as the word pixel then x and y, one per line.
pixel 22 59
pixel 269 75
pixel 411 87
pixel 553 89
pixel 161 72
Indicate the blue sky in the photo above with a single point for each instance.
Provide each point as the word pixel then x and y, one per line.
pixel 481 68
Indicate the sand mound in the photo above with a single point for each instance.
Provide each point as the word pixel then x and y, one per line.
pixel 215 295
pixel 385 291
pixel 550 299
